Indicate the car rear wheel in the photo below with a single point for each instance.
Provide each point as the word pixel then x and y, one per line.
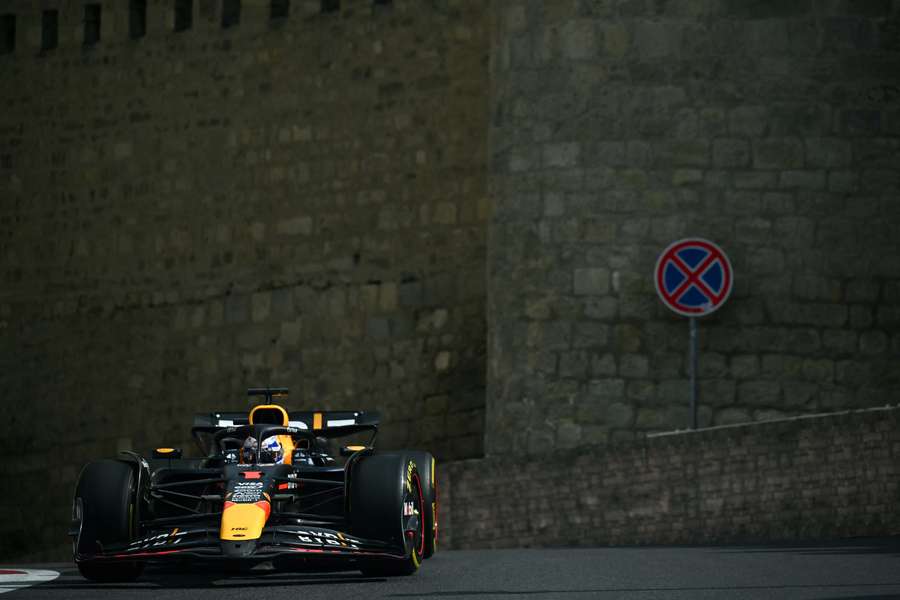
pixel 387 503
pixel 104 497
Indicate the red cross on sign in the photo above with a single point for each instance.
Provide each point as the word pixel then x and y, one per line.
pixel 693 277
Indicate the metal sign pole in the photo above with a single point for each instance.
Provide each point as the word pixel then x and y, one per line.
pixel 693 277
pixel 693 369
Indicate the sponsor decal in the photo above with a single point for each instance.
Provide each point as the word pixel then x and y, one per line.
pixel 247 491
pixel 153 541
pixel 290 485
pixel 409 471
pixel 318 537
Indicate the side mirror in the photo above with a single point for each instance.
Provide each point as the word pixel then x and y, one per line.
pixel 167 453
pixel 349 450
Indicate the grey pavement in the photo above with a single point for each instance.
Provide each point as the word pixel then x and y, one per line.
pixel 862 569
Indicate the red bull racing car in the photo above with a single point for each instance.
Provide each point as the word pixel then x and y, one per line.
pixel 273 485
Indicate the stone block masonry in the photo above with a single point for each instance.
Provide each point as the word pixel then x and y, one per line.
pixel 618 127
pixel 400 205
pixel 816 477
pixel 298 202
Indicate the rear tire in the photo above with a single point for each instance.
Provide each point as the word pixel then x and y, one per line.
pixel 106 492
pixel 387 503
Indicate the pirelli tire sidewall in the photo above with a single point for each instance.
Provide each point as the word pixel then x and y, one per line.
pixel 105 492
pixel 426 468
pixel 378 485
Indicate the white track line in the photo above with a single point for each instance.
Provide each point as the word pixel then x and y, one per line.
pixel 12 579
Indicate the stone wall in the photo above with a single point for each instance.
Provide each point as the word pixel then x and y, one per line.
pixel 296 202
pixel 804 478
pixel 619 126
pixel 303 201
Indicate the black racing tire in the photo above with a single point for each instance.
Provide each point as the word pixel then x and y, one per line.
pixel 382 488
pixel 105 493
pixel 425 463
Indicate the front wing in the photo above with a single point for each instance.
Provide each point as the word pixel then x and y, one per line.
pixel 275 541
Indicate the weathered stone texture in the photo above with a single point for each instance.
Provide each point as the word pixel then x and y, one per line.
pixel 298 203
pixel 305 202
pixel 764 126
pixel 818 477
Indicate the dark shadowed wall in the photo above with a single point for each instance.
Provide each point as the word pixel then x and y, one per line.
pixel 304 201
pixel 296 202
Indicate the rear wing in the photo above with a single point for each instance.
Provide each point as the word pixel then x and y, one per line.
pixel 332 423
pixel 208 428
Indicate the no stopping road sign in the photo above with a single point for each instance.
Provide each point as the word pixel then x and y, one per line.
pixel 693 277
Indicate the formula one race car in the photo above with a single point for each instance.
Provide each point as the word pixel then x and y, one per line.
pixel 273 486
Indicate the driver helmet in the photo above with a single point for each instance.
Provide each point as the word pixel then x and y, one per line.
pixel 271 451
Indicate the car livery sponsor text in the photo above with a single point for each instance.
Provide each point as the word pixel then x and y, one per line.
pixel 162 539
pixel 327 538
pixel 247 491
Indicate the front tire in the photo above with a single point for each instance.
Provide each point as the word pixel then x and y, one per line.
pixel 105 493
pixel 387 503
pixel 425 464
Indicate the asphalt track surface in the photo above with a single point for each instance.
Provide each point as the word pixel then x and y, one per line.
pixel 865 569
